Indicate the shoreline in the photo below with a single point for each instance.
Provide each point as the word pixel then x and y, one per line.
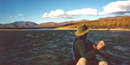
pixel 10 30
pixel 113 29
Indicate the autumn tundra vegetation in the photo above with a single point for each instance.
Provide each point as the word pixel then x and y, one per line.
pixel 109 23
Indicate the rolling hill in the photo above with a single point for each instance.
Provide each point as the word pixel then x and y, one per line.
pixel 18 24
pixel 53 24
pixel 106 22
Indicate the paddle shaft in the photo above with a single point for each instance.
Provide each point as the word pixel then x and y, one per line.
pixel 106 54
pixel 104 51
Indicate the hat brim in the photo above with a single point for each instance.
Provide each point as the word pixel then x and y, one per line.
pixel 81 33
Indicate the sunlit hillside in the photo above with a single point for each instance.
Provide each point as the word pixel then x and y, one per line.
pixel 117 22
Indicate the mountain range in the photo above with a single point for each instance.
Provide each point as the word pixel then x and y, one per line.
pixel 18 24
pixel 29 24
pixel 116 17
pixel 53 24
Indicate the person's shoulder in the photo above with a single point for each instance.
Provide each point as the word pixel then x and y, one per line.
pixel 79 41
pixel 89 41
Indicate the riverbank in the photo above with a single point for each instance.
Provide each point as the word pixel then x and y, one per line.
pixel 114 29
pixel 10 30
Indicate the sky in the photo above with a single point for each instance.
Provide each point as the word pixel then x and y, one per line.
pixel 42 11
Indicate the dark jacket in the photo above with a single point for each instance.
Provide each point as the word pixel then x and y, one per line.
pixel 82 49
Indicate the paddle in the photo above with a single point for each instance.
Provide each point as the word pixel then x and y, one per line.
pixel 104 50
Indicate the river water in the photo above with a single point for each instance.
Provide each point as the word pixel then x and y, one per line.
pixel 53 47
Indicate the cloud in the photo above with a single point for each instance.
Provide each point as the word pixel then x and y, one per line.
pixel 23 16
pixel 114 8
pixel 55 14
pixel 86 11
pixel 12 16
pixel 59 13
pixel 117 8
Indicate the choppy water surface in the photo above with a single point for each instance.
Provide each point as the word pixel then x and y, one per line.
pixel 53 47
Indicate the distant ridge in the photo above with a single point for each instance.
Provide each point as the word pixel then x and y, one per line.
pixel 116 17
pixel 18 24
pixel 106 22
pixel 53 24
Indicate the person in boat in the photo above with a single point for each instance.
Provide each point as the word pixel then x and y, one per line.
pixel 83 50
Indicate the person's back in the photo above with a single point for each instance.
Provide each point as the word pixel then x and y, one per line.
pixel 83 51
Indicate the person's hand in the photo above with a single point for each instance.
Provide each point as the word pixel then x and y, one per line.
pixel 100 45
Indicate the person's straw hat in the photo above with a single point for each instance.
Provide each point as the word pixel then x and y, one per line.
pixel 81 29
